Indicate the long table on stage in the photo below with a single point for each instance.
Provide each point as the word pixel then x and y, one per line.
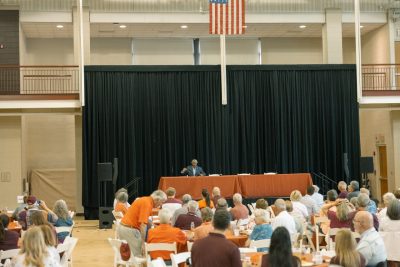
pixel 250 186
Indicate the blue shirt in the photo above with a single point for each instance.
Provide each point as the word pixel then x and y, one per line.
pixel 261 231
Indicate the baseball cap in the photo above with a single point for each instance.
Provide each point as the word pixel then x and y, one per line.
pixel 31 200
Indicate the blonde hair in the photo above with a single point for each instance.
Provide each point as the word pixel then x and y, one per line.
pixel 342 212
pixel 295 195
pixel 345 249
pixel 48 235
pixel 34 247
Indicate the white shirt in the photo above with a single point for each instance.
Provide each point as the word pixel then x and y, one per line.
pixel 310 204
pixel 286 220
pixel 371 246
pixel 49 261
pixel 319 200
pixel 299 209
pixel 382 214
pixel 388 225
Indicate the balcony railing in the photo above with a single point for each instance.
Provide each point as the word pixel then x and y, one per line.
pixel 39 80
pixel 380 79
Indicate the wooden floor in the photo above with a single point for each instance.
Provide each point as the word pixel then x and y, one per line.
pixel 92 248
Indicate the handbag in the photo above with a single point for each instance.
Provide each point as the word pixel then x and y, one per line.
pixel 125 251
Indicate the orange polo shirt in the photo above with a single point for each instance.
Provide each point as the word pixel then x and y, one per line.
pixel 202 204
pixel 203 230
pixel 121 207
pixel 138 212
pixel 165 233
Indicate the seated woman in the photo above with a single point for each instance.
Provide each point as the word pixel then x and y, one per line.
pixel 37 219
pixel 346 252
pixel 34 251
pixel 280 250
pixel 205 201
pixel 8 239
pixel 64 219
pixel 122 199
pixel 343 216
pixel 299 209
pixel 262 230
pixel 391 223
pixel 50 241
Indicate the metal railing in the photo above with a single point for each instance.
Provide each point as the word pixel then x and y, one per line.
pixel 43 80
pixel 380 77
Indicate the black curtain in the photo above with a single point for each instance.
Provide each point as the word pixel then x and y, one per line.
pixel 155 119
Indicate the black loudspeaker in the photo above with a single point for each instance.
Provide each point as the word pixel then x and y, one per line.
pixel 104 172
pixel 366 165
pixel 346 165
pixel 115 171
pixel 105 218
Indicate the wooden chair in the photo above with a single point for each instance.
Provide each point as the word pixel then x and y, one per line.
pixel 149 247
pixel 247 250
pixel 179 258
pixel 133 261
pixel 157 263
pixel 263 243
pixel 66 259
pixel 8 254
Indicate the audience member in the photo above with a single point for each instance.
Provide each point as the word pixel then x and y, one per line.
pixel 354 202
pixel 343 216
pixel 216 194
pixel 133 225
pixel 205 201
pixel 222 204
pixel 50 241
pixel 193 169
pixel 239 211
pixel 122 199
pixel 371 207
pixel 397 193
pixel 298 219
pixel 127 205
pixel 342 186
pixel 34 251
pixel 64 219
pixel 387 198
pixel 309 202
pixel 371 245
pixel 261 204
pixel 353 189
pixel 171 192
pixel 165 233
pixel 8 239
pixel 38 219
pixel 185 221
pixel 206 227
pixel 185 200
pixel 204 253
pixel 262 230
pixel 283 218
pixel 298 207
pixel 24 215
pixel 280 251
pixel 362 204
pixel 391 222
pixel 20 208
pixel 346 252
pixel 318 198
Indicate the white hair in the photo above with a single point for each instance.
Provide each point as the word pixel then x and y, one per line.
pixel 216 191
pixel 159 195
pixel 342 185
pixel 261 214
pixel 237 198
pixel 165 216
pixel 280 204
pixel 193 206
pixel 186 198
pixel 389 196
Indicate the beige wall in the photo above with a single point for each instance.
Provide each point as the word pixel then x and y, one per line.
pixel 238 51
pixel 349 51
pixel 291 50
pixel 10 161
pixel 110 51
pixel 46 51
pixel 375 122
pixel 395 119
pixel 375 46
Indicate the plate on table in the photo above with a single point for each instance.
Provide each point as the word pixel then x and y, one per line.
pixel 306 263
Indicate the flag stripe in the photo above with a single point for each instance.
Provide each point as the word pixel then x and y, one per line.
pixel 226 17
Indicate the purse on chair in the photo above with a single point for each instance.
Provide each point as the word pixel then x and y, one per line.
pixel 125 251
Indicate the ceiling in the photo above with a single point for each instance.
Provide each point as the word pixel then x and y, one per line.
pixel 157 30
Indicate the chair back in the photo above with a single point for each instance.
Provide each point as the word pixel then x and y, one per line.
pixel 157 263
pixel 263 243
pixel 391 241
pixel 149 247
pixel 251 208
pixel 8 254
pixel 189 245
pixel 247 250
pixel 62 229
pixel 66 259
pixel 179 258
pixel 7 263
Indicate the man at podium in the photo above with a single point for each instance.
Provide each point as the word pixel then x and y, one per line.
pixel 193 170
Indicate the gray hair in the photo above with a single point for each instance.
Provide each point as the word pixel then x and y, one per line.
pixel 355 185
pixel 363 200
pixel 165 216
pixel 280 204
pixel 193 206
pixel 159 195
pixel 342 185
pixel 354 201
pixel 186 198
pixel 237 198
pixel 389 196
pixel 122 197
pixel 221 203
pixel 261 214
pixel 216 191
pixel 206 214
pixel 61 209
pixel 365 191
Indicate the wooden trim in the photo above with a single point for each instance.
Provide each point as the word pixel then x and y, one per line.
pixel 381 92
pixel 39 97
pixel 39 66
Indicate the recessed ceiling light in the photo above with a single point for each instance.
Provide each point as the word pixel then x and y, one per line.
pixel 361 26
pixel 184 26
pixel 122 26
pixel 302 26
pixel 60 26
pixel 244 26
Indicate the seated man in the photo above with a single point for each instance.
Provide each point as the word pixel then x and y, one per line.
pixel 185 221
pixel 240 211
pixel 171 192
pixel 342 186
pixel 371 244
pixel 193 170
pixel 215 250
pixel 216 194
pixel 206 227
pixel 165 233
pixel 283 218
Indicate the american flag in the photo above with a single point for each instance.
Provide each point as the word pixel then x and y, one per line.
pixel 227 16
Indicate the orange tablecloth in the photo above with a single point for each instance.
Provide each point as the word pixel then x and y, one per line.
pixel 194 184
pixel 278 185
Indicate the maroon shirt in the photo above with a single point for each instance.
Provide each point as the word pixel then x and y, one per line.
pixel 184 220
pixel 10 240
pixel 335 223
pixel 343 194
pixel 227 254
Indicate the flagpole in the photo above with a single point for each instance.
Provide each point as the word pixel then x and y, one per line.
pixel 223 69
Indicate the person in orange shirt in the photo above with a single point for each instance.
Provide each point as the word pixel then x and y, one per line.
pixel 165 233
pixel 133 225
pixel 206 227
pixel 205 201
pixel 122 198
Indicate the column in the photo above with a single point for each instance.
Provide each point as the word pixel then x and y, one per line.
pixel 86 35
pixel 332 37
